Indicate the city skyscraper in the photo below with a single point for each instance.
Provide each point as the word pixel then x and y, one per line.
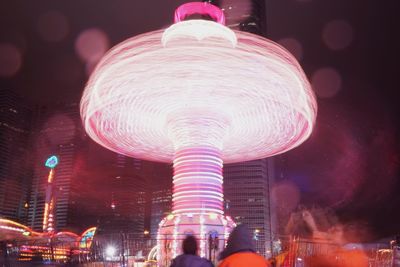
pixel 247 185
pixel 161 203
pixel 160 189
pixel 247 188
pixel 126 198
pixel 15 123
pixel 58 132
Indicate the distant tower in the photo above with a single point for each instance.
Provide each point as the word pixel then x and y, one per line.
pixel 58 131
pixel 15 175
pixel 50 200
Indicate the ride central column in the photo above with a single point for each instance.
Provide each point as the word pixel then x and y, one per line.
pixel 197 200
pixel 197 181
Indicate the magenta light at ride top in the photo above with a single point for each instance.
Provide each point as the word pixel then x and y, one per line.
pixel 198 94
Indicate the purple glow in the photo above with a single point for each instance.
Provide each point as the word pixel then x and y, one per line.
pixel 10 60
pixel 326 82
pixel 91 45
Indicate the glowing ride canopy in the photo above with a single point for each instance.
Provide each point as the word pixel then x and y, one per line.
pixel 141 89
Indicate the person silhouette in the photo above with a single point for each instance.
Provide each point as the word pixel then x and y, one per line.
pixel 189 258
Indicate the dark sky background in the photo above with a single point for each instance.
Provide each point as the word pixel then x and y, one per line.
pixel 347 49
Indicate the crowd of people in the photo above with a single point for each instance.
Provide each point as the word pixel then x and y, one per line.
pixel 239 252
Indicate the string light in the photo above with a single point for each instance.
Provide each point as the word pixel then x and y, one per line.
pixel 159 240
pixel 175 236
pixel 202 236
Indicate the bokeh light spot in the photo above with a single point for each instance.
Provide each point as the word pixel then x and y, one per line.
pixel 91 45
pixel 10 60
pixel 16 39
pixel 326 82
pixel 52 26
pixel 294 47
pixel 89 68
pixel 286 196
pixel 59 129
pixel 337 34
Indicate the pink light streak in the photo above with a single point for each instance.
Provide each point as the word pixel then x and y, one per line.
pixel 256 92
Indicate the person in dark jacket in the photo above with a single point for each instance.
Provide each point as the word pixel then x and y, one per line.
pixel 189 257
pixel 240 250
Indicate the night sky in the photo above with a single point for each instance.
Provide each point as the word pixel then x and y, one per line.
pixel 347 49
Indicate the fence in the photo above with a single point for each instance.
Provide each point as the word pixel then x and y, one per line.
pixel 131 251
pixel 314 253
pixel 104 250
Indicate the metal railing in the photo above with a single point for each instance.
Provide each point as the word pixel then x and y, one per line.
pixel 104 250
pixel 131 251
pixel 316 253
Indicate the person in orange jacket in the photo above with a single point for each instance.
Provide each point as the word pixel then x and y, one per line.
pixel 240 250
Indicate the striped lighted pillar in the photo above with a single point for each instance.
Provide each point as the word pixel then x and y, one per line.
pixel 197 181
pixel 197 163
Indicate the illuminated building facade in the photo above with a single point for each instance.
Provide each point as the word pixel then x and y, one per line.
pixel 161 204
pixel 159 176
pixel 247 199
pixel 58 132
pixel 15 123
pixel 126 199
